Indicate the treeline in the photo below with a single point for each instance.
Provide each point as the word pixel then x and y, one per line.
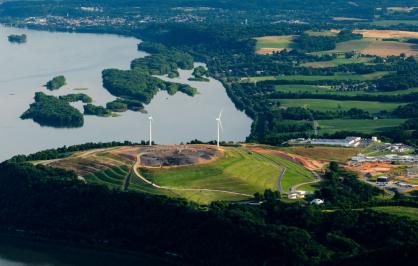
pixel 52 111
pixel 309 43
pixel 66 151
pixel 274 233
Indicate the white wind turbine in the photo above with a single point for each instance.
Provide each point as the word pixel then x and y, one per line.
pixel 150 129
pixel 218 119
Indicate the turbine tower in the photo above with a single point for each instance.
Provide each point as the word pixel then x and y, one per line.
pixel 219 122
pixel 150 129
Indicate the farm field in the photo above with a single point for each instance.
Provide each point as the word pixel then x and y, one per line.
pixel 336 62
pixel 317 89
pixel 335 105
pixel 357 125
pixel 375 46
pixel 339 77
pixel 323 153
pixel 269 44
pixel 409 212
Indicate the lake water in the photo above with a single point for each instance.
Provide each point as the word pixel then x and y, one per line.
pixel 18 252
pixel 81 58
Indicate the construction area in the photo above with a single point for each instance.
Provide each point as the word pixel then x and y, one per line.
pixel 177 155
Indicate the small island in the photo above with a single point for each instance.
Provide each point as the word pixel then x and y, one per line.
pixel 75 97
pixel 199 74
pixel 54 112
pixel 56 83
pixel 91 109
pixel 17 38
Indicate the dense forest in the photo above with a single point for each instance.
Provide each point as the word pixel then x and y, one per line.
pixel 52 111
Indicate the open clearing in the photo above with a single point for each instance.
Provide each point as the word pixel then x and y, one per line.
pixel 335 105
pixel 270 44
pixel 336 62
pixel 409 212
pixel 385 23
pixel 323 153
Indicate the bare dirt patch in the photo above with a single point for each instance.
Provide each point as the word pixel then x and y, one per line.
pixel 178 155
pixel 310 164
pixel 372 168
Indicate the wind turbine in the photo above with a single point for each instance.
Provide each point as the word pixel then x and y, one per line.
pixel 150 129
pixel 218 119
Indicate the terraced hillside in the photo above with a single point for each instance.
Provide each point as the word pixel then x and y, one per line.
pixel 234 174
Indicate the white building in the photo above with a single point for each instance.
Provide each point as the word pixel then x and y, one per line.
pixel 317 201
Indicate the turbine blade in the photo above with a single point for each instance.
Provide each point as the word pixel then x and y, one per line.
pixel 220 113
pixel 220 124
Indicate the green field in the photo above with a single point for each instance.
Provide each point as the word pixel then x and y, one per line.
pixel 339 77
pixel 409 212
pixel 324 153
pixel 317 89
pixel 294 174
pixel 238 171
pixel 336 62
pixel 358 125
pixel 335 105
pixel 274 42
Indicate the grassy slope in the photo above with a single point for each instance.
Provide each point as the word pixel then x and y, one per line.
pixel 239 171
pixel 274 42
pixel 409 212
pixel 315 89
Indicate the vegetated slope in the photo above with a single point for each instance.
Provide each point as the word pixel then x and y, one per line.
pixel 238 171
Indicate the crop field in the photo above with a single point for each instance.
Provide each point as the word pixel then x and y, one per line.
pixel 339 77
pixel 269 44
pixel 324 153
pixel 376 46
pixel 317 89
pixel 382 34
pixel 336 62
pixel 335 105
pixel 409 212
pixel 357 125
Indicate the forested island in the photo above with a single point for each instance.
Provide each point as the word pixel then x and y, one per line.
pixel 56 83
pixel 199 74
pixel 140 84
pixel 52 111
pixel 91 109
pixel 17 38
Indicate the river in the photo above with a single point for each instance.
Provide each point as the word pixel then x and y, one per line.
pixel 81 57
